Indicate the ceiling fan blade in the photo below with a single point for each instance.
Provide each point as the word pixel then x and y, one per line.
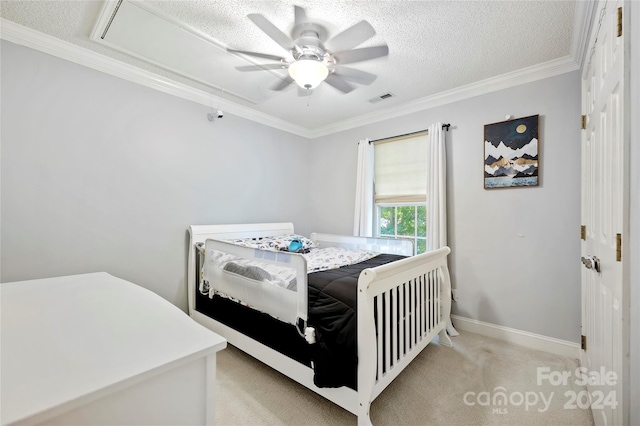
pixel 338 83
pixel 351 37
pixel 272 31
pixel 261 67
pixel 257 54
pixel 359 55
pixel 355 76
pixel 283 84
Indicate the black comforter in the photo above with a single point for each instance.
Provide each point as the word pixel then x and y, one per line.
pixel 332 312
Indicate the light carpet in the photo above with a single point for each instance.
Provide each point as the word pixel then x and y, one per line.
pixel 442 386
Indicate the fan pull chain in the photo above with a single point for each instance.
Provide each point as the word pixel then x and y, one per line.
pixel 308 96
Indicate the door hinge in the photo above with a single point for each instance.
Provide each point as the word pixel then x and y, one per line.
pixel 583 122
pixel 618 247
pixel 583 342
pixel 583 232
pixel 619 22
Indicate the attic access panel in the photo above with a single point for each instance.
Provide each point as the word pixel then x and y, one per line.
pixel 151 36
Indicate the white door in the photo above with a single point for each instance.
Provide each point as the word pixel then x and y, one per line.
pixel 603 201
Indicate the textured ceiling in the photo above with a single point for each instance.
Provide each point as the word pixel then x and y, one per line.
pixel 434 46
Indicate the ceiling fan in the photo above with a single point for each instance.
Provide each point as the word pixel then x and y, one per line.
pixel 312 59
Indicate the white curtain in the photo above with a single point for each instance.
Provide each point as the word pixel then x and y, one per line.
pixel 363 216
pixel 437 195
pixel 436 188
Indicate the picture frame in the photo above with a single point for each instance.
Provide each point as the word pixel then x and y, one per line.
pixel 511 153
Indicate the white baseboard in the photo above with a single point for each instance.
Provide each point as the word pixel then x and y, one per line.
pixel 518 337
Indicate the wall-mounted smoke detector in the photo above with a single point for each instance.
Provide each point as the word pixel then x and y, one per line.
pixel 381 98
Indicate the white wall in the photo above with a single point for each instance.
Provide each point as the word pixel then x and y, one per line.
pixel 99 174
pixel 102 174
pixel 530 283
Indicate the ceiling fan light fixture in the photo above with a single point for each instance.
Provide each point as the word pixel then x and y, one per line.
pixel 308 73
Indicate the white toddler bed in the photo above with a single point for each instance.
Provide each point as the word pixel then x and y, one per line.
pixel 401 306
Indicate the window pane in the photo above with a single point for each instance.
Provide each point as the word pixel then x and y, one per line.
pixel 387 221
pixel 422 221
pixel 421 246
pixel 406 220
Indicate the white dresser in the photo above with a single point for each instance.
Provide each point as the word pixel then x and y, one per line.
pixel 95 349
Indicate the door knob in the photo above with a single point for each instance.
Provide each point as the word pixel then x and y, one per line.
pixel 591 262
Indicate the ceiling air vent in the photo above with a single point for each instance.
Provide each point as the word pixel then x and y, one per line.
pixel 381 98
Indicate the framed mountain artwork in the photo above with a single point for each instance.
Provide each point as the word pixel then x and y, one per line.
pixel 511 153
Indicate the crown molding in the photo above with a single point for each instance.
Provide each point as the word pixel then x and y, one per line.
pixel 45 43
pixel 28 37
pixel 505 81
pixel 585 12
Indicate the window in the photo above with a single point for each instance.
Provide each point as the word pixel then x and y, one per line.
pixel 400 188
pixel 403 221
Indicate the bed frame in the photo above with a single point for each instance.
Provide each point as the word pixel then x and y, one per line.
pixel 419 286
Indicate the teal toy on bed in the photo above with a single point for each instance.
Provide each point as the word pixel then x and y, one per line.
pixel 295 246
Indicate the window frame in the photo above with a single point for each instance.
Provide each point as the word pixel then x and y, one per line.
pixel 415 237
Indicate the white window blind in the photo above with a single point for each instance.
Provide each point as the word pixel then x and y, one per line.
pixel 401 169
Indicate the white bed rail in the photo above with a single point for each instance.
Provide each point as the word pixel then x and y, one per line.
pixel 380 245
pixel 264 297
pixel 201 233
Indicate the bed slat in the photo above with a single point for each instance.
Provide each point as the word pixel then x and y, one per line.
pixel 380 340
pixel 387 325
pixel 394 343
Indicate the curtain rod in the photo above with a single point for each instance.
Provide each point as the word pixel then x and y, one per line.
pixel 444 126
